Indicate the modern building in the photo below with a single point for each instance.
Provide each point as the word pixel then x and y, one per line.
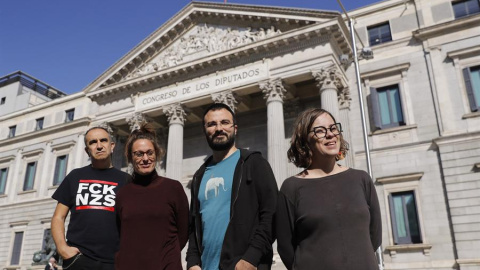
pixel 421 95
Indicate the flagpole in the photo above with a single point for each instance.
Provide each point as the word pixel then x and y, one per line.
pixel 362 111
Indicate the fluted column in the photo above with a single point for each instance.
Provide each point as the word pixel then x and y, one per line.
pixel 226 97
pixel 274 92
pixel 176 118
pixel 329 82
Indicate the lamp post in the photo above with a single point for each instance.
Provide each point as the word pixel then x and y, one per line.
pixel 366 54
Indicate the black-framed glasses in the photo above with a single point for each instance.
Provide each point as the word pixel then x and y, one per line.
pixel 140 154
pixel 321 132
pixel 224 124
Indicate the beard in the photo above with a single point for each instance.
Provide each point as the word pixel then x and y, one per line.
pixel 217 145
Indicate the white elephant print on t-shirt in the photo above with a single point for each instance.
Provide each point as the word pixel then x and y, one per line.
pixel 214 184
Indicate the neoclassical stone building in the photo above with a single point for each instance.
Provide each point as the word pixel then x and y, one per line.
pixel 421 94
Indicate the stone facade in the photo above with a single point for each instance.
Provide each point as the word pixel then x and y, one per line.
pixel 269 64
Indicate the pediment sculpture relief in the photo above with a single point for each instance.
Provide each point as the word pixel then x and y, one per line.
pixel 203 40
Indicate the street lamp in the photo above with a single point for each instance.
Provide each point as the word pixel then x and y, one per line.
pixel 365 53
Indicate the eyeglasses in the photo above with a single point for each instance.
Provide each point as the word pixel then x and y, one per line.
pixel 140 154
pixel 224 124
pixel 321 132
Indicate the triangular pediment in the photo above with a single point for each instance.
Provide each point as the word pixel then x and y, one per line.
pixel 202 30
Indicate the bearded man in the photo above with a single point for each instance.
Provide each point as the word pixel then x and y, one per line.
pixel 234 196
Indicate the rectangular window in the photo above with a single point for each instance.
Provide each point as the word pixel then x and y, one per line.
pixel 471 75
pixel 403 212
pixel 69 115
pixel 60 169
pixel 465 8
pixel 47 235
pixel 39 125
pixel 17 248
pixel 386 107
pixel 3 100
pixel 11 131
pixel 379 34
pixel 3 180
pixel 29 176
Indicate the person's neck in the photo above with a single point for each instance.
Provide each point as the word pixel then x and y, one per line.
pixel 221 155
pixel 102 164
pixel 322 168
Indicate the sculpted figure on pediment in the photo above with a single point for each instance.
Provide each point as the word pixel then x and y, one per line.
pixel 202 41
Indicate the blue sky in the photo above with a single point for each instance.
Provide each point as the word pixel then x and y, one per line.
pixel 69 43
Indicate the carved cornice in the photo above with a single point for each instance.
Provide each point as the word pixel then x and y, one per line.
pixel 273 90
pixel 226 97
pixel 447 27
pixel 331 28
pixel 176 114
pixel 206 40
pixel 85 121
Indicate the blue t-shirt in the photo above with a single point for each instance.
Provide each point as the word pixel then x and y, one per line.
pixel 215 196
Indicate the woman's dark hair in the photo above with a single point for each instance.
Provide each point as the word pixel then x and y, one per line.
pixel 299 152
pixel 147 132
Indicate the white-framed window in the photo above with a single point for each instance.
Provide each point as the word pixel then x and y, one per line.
pixel 404 215
pixel 388 100
pixel 3 180
pixel 16 248
pixel 69 115
pixel 16 243
pixel 3 100
pixel 29 180
pixel 11 131
pixel 39 123
pixel 464 8
pixel 60 169
pixel 471 77
pixel 387 106
pixel 379 33
pixel 404 218
pixel 467 65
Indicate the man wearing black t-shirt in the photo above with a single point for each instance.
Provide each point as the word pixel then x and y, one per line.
pixel 89 193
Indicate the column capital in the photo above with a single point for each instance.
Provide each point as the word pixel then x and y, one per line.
pixel 226 97
pixel 328 77
pixel 273 90
pixel 344 98
pixel 136 120
pixel 175 113
pixel 109 127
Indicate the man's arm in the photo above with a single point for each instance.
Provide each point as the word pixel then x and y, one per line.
pixel 58 232
pixel 267 192
pixel 193 255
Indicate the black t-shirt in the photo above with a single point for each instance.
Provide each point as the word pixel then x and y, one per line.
pixel 90 194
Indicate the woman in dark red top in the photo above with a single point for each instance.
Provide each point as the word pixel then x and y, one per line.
pixel 328 216
pixel 152 210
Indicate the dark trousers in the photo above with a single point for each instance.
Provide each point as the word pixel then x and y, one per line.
pixel 82 262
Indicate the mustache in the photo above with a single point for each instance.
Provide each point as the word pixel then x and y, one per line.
pixel 218 133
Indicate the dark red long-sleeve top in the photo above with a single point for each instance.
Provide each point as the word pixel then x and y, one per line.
pixel 152 214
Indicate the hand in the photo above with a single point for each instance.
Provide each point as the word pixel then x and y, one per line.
pixel 244 265
pixel 195 267
pixel 68 252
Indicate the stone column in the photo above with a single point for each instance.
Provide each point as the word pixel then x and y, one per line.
pixel 225 97
pixel 176 118
pixel 274 92
pixel 329 82
pixel 80 153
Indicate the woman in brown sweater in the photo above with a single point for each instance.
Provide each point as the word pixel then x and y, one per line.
pixel 152 210
pixel 328 216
